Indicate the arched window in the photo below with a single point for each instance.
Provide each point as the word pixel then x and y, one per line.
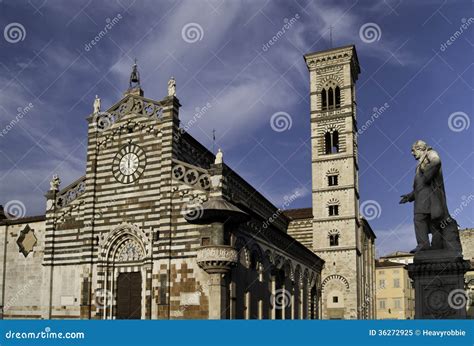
pixel 331 142
pixel 324 100
pixel 333 180
pixel 333 210
pixel 333 239
pixel 330 98
pixel 327 142
pixel 335 142
pixel 338 97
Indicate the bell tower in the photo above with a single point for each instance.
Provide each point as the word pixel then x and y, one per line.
pixel 338 231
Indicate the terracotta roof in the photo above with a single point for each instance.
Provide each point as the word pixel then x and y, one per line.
pixel 399 254
pixel 383 264
pixel 301 213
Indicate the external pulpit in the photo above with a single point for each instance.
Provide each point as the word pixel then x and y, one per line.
pixel 215 257
pixel 217 261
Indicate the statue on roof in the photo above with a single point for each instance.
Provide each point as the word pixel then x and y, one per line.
pixel 134 77
pixel 96 104
pixel 54 183
pixel 172 87
pixel 219 157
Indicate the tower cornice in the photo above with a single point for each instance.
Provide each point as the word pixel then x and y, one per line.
pixel 334 56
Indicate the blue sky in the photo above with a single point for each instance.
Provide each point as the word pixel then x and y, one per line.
pixel 425 86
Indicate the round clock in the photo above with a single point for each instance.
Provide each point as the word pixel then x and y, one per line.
pixel 129 164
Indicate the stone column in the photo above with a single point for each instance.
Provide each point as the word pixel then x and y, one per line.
pixel 439 285
pixel 217 260
pixel 273 289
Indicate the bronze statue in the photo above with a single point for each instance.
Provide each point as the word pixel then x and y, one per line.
pixel 134 77
pixel 430 208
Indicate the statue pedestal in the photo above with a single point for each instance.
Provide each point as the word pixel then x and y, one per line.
pixel 438 277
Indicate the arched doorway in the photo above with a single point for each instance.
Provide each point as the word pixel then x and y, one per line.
pixel 124 275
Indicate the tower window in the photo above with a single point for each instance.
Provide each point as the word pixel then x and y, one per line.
pixel 337 92
pixel 335 142
pixel 333 239
pixel 331 142
pixel 332 180
pixel 324 100
pixel 335 299
pixel 333 210
pixel 330 98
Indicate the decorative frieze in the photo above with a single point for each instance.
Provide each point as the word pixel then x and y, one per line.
pixel 70 193
pixel 139 106
pixel 191 175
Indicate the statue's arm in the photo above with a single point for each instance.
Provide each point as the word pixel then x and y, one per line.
pixel 432 168
pixel 409 197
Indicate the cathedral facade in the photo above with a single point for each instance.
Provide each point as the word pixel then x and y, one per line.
pixel 159 227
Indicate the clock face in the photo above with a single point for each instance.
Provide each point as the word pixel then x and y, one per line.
pixel 129 164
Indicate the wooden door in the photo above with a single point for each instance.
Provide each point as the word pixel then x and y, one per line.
pixel 129 295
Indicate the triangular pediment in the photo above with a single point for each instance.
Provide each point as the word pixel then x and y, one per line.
pixel 133 105
pixel 131 108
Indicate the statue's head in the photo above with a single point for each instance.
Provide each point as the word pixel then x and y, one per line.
pixel 418 148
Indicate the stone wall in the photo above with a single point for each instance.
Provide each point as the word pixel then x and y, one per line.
pixel 26 291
